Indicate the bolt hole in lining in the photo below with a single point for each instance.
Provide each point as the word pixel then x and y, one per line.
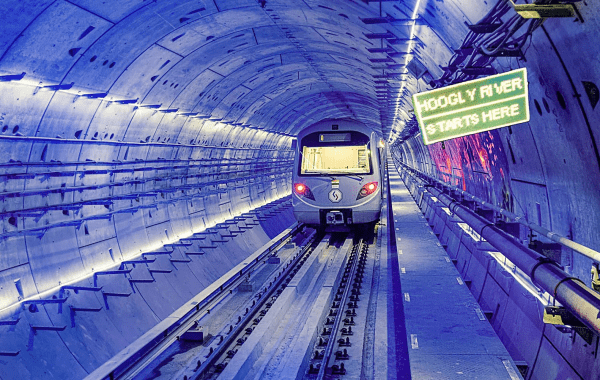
pixel 561 100
pixel 537 106
pixel 16 129
pixel 592 92
pixel 546 105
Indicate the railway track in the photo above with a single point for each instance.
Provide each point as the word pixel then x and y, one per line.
pixel 305 324
pixel 145 357
pixel 235 335
pixel 302 320
pixel 331 349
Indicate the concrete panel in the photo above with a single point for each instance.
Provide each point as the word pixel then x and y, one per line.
pixel 521 326
pixel 66 114
pixel 27 10
pixel 454 241
pixel 155 215
pixel 162 298
pixel 111 11
pixel 48 47
pixel 529 197
pixel 575 350
pixel 169 128
pixel 99 254
pixel 92 180
pixel 214 25
pixel 477 272
pixel 110 119
pixel 131 233
pixel 143 125
pixel 493 301
pixel 17 283
pixel 22 108
pixel 448 232
pixel 63 151
pixel 14 252
pixel 179 218
pixel 188 96
pixel 501 276
pixel 551 365
pixel 51 257
pixel 144 73
pixel 93 231
pixel 463 258
pixel 58 362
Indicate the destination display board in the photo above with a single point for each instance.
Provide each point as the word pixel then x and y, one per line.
pixel 472 107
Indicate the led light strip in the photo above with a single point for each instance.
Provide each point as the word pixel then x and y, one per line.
pixel 411 44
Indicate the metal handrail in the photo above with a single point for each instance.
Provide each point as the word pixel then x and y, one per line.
pixel 585 251
pixel 571 292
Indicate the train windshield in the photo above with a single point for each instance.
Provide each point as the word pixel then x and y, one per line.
pixel 349 159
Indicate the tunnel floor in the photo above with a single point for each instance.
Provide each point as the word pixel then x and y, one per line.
pixel 416 314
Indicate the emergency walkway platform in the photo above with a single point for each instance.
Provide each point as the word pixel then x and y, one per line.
pixel 448 335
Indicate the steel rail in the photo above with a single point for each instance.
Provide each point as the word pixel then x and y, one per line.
pixel 121 364
pixel 331 342
pixel 249 317
pixel 585 251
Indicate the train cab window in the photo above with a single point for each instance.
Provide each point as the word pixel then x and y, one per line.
pixel 336 159
pixel 343 152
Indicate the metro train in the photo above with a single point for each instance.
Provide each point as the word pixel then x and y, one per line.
pixel 338 174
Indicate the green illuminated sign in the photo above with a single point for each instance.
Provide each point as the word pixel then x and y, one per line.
pixel 472 107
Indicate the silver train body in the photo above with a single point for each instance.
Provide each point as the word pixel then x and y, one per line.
pixel 338 172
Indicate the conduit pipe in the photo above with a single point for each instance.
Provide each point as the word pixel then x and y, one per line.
pixel 586 251
pixel 571 292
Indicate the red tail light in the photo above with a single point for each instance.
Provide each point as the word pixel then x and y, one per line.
pixel 367 189
pixel 303 191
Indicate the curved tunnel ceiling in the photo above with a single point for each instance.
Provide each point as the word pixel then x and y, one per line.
pixel 126 125
pixel 274 65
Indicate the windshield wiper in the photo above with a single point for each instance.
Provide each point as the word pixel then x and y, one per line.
pixel 358 178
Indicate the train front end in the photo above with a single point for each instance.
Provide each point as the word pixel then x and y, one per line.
pixel 337 178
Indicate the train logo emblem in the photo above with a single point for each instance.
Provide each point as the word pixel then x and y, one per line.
pixel 335 195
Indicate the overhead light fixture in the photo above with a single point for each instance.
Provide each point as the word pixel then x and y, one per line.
pixel 545 10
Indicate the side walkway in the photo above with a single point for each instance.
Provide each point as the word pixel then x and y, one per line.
pixel 448 335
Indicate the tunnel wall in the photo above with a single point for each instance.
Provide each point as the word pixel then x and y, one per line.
pixel 76 330
pixel 66 203
pixel 546 170
pixel 85 187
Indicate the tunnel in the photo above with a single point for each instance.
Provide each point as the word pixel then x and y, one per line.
pixel 133 132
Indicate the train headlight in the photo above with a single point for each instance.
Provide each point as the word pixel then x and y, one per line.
pixel 303 191
pixel 367 189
